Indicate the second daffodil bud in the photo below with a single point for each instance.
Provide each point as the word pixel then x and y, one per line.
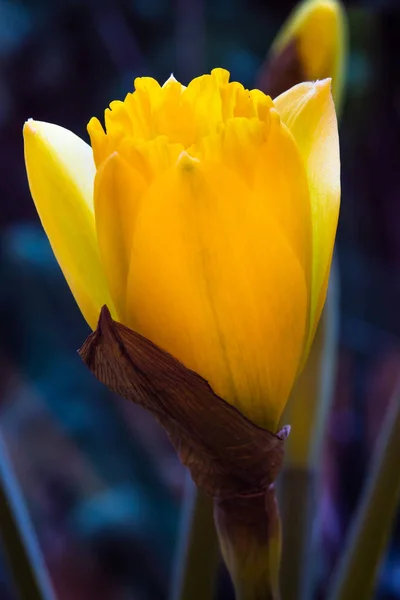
pixel 311 45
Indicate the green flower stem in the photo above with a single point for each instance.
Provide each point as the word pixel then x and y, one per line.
pixel 197 557
pixel 249 531
pixel 18 539
pixel 297 492
pixel 307 411
pixel 358 567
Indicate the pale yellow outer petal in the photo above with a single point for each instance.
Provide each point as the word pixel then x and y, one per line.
pixel 215 282
pixel 308 110
pixel 117 193
pixel 61 172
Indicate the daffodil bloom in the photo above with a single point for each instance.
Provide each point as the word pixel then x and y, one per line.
pixel 318 30
pixel 204 217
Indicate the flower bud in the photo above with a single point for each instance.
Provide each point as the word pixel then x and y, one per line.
pixel 311 45
pixel 204 218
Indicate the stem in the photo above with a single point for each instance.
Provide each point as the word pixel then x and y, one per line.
pixel 356 574
pixel 250 537
pixel 20 544
pixel 307 412
pixel 297 501
pixel 197 557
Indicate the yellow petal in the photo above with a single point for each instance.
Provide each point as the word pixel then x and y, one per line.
pixel 172 116
pixel 60 173
pixel 140 105
pixel 214 281
pixel 203 96
pixel 117 193
pixel 309 112
pixel 150 157
pixel 227 146
pixel 280 181
pixel 99 140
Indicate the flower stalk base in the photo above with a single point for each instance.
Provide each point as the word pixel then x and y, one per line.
pixel 250 537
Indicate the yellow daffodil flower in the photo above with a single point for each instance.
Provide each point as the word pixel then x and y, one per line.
pixel 205 219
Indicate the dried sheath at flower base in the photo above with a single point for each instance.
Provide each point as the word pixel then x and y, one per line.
pixel 229 457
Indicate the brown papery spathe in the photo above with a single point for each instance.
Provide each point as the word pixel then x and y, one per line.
pixel 227 455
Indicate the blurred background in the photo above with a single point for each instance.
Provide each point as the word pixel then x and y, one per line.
pixel 100 480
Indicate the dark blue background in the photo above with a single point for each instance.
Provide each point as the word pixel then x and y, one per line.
pixel 101 481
